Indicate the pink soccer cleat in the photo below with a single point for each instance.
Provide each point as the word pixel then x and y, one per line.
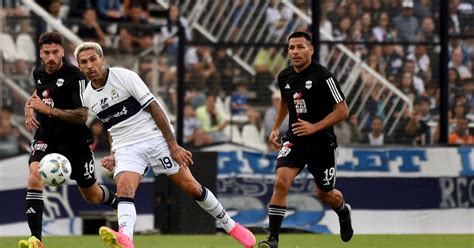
pixel 243 235
pixel 115 239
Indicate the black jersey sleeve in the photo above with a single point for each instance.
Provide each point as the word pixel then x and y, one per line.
pixel 332 86
pixel 77 85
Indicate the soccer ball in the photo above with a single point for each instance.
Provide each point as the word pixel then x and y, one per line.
pixel 55 169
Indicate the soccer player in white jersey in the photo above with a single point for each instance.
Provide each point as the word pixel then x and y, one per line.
pixel 142 136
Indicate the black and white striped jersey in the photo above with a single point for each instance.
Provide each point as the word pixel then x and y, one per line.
pixel 61 89
pixel 311 95
pixel 119 105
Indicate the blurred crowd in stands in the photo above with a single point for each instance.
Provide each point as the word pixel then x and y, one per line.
pixel 224 103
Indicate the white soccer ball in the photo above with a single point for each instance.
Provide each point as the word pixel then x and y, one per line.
pixel 55 169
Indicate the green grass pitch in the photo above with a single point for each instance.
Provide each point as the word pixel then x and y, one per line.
pixel 287 241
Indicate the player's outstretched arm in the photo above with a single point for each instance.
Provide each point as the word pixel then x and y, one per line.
pixel 78 115
pixel 182 156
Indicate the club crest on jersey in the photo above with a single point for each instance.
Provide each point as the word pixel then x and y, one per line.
pixel 60 82
pixel 115 95
pixel 308 84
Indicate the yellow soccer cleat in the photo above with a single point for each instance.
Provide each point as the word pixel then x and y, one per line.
pixel 31 242
pixel 115 239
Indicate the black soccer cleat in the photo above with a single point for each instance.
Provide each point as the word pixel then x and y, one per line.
pixel 346 225
pixel 269 243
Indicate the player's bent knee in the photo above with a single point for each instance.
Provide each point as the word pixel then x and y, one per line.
pixel 34 182
pixel 324 196
pixel 281 186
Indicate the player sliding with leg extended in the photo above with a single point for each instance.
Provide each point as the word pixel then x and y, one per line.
pixel 142 136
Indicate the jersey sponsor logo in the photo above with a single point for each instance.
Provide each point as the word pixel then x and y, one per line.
pixel 47 99
pixel 60 82
pixel 287 86
pixel 38 82
pixel 300 104
pixel 39 146
pixel 285 149
pixel 308 84
pixel 116 115
pixel 118 112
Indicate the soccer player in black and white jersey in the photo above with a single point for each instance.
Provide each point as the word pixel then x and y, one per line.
pixel 60 127
pixel 142 136
pixel 313 99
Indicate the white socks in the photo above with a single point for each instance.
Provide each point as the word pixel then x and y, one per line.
pixel 127 216
pixel 210 203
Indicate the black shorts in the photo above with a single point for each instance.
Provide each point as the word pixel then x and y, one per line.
pixel 321 160
pixel 81 158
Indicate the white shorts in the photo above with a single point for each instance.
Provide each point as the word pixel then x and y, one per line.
pixel 137 157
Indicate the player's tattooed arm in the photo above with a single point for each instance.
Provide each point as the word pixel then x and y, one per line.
pixel 78 115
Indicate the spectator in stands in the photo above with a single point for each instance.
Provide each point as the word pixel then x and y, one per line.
pixel 171 27
pixel 454 20
pixel 406 24
pixel 136 33
pixel 407 86
pixel 54 9
pixel 240 107
pixel 342 32
pixel 382 31
pixel 277 17
pixel 109 10
pixel 202 70
pixel 13 8
pixel 461 135
pixel 101 141
pixel 270 115
pixel 459 110
pixel 418 122
pixel 428 30
pixel 193 132
pixel 423 8
pixel 269 60
pixel 127 7
pixel 376 136
pixel 225 70
pixel 211 119
pixel 455 85
pixel 394 59
pixel 422 62
pixel 409 66
pixel 90 30
pixel 78 7
pixel 366 22
pixel 347 132
pixel 456 62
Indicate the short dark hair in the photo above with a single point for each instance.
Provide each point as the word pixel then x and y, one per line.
pixel 300 34
pixel 50 38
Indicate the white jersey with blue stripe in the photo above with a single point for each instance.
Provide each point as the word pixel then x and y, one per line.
pixel 120 104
